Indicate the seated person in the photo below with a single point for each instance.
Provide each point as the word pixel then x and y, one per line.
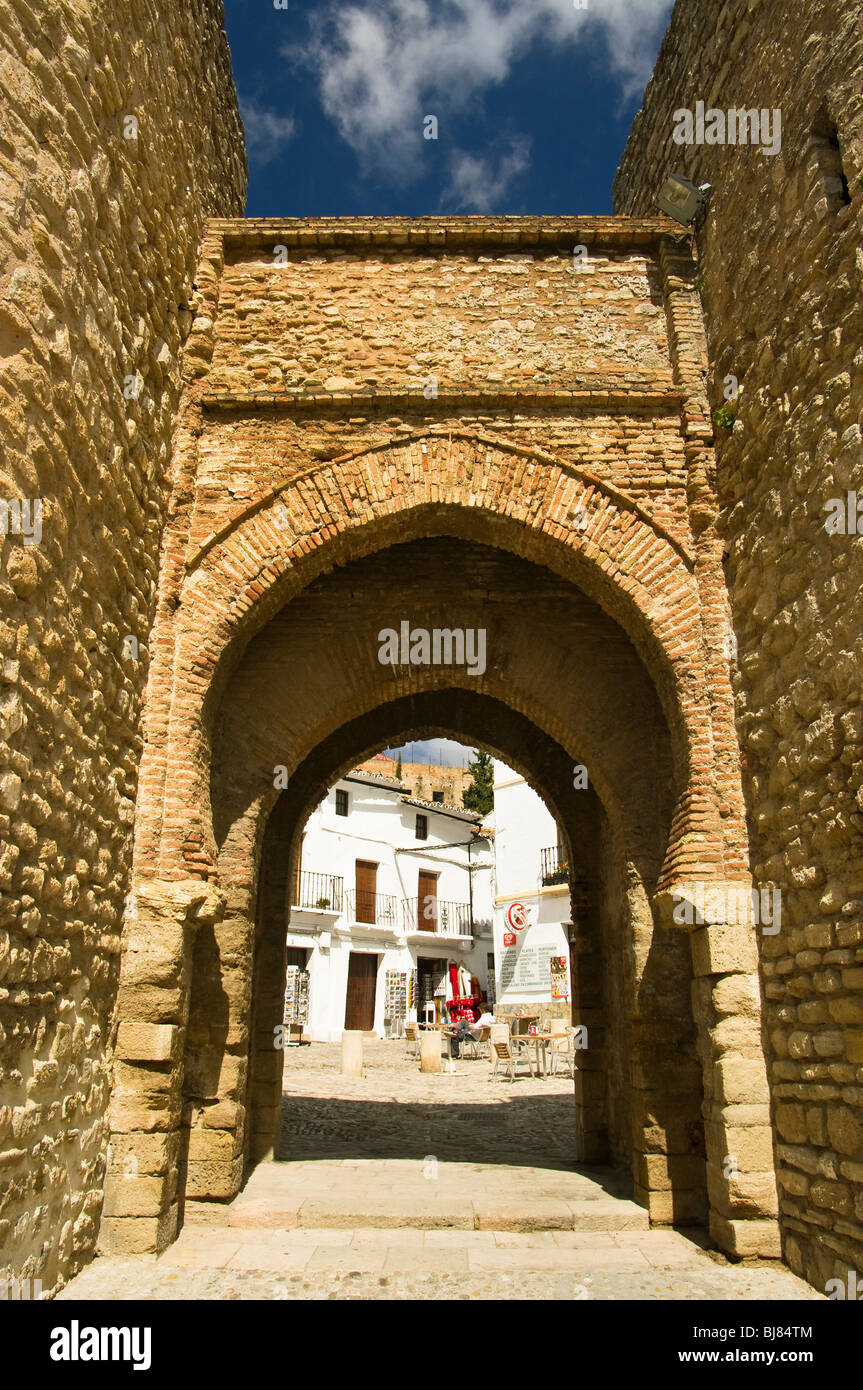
pixel 464 1029
pixel 461 1034
pixel 485 1020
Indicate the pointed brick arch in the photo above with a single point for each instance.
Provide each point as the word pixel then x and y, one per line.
pixel 435 482
pixel 502 731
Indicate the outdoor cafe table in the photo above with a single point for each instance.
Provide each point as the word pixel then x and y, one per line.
pixel 541 1040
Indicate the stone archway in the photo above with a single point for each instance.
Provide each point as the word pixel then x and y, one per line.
pixel 575 439
pixel 644 1009
pixel 201 831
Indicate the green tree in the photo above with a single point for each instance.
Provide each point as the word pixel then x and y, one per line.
pixel 479 795
pixel 399 768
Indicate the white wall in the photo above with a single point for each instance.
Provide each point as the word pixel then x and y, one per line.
pixel 379 824
pixel 523 828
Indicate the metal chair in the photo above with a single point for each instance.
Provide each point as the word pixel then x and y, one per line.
pixel 412 1039
pixel 506 1055
pixel 477 1044
pixel 562 1047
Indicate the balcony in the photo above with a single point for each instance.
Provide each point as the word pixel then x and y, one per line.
pixel 321 891
pixel 373 909
pixel 554 866
pixel 437 915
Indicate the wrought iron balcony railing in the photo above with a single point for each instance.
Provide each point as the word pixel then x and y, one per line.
pixel 554 867
pixel 374 909
pixel 434 914
pixel 318 890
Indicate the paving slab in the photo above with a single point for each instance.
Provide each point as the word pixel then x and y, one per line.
pixel 135 1277
pixel 424 1262
pixel 353 1208
pixel 555 1258
pixel 263 1255
pixel 378 1239
pixel 345 1261
pixel 458 1240
pixel 538 1214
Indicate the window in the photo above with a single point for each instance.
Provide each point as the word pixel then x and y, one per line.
pixel 422 827
pixel 828 152
pixel 438 797
pixel 341 802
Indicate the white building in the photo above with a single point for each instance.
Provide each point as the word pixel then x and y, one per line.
pixel 390 893
pixel 531 901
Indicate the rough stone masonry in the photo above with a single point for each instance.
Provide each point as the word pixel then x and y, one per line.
pixel 781 273
pixel 119 135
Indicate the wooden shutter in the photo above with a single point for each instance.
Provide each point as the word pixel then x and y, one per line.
pixel 426 910
pixel 367 887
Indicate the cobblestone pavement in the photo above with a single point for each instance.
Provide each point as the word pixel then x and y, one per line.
pixel 394 1110
pixel 399 1185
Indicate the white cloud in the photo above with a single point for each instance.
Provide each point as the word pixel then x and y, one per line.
pixel 267 132
pixel 381 69
pixel 478 183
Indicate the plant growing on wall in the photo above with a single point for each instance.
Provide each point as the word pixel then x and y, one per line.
pixel 724 417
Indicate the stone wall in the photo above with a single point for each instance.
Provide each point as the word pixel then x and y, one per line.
pixel 100 225
pixel 781 271
pixel 422 780
pixel 344 320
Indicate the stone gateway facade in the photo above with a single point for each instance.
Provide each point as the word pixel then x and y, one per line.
pixel 500 428
pixel 329 489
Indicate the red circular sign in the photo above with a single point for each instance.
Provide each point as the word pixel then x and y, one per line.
pixel 517 916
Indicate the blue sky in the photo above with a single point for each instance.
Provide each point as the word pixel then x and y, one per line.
pixel 533 101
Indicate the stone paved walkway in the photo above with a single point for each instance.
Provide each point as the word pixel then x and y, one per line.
pixel 399 1185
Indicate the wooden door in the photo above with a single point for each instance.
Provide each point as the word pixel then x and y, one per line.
pixel 362 986
pixel 426 901
pixel 367 887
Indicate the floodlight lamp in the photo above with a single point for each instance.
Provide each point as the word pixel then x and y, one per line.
pixel 681 199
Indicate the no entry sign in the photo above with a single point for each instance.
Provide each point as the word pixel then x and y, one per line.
pixel 517 916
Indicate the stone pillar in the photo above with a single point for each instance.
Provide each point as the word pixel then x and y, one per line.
pixel 352 1053
pixel 741 1179
pixel 430 1050
pixel 141 1207
pixel 667 1162
pixel 216 1059
pixel 266 1060
pixel 591 1085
